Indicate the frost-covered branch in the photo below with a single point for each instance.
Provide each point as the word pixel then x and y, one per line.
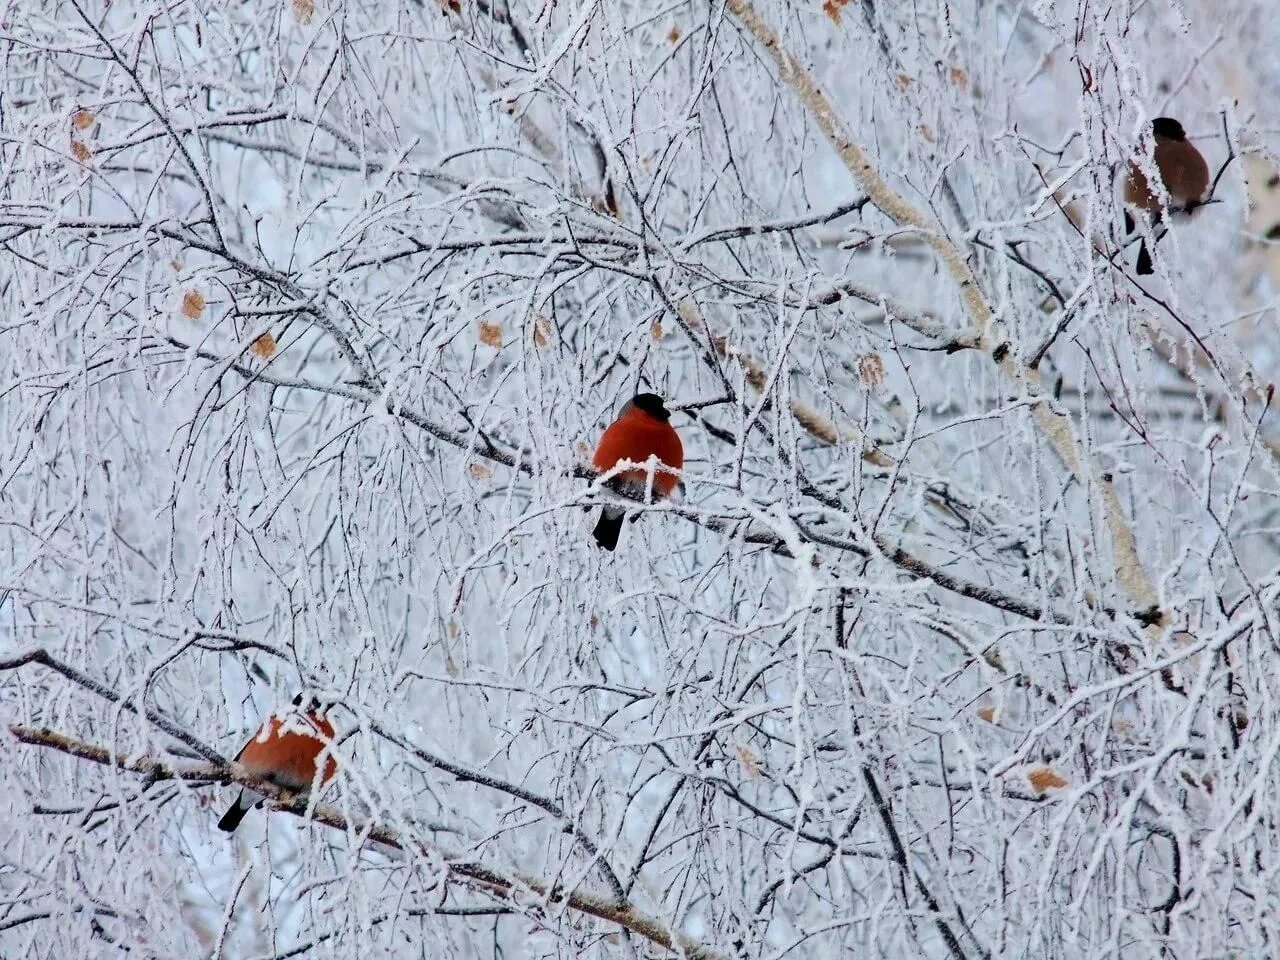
pixel 473 875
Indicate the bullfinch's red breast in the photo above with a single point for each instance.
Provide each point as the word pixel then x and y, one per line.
pixel 285 750
pixel 1183 171
pixel 643 429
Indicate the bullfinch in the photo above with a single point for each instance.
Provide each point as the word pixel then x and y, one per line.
pixel 1183 171
pixel 643 429
pixel 285 750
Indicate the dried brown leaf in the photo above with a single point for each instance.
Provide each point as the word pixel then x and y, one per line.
pixel 1044 778
pixel 871 370
pixel 674 34
pixel 959 78
pixel 655 330
pixel 541 330
pixel 988 714
pixel 304 10
pixel 814 422
pixel 749 762
pixel 264 346
pixel 83 119
pixel 490 333
pixel 480 471
pixel 192 304
pixel 80 151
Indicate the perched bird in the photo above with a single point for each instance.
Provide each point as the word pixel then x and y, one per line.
pixel 643 429
pixel 1185 176
pixel 285 750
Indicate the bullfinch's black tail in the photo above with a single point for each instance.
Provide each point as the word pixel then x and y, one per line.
pixel 609 527
pixel 235 813
pixel 1144 266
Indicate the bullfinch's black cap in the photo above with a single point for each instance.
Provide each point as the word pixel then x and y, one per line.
pixel 651 404
pixel 1168 128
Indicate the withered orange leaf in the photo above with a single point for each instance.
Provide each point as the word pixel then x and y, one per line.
pixel 988 714
pixel 192 304
pixel 304 10
pixel 655 330
pixel 1044 778
pixel 81 152
pixel 490 333
pixel 673 35
pixel 480 471
pixel 832 8
pixel 264 346
pixel 83 119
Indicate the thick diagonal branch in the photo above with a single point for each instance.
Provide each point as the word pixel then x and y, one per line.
pixel 1053 423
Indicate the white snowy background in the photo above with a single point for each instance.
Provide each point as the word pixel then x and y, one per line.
pixel 961 640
